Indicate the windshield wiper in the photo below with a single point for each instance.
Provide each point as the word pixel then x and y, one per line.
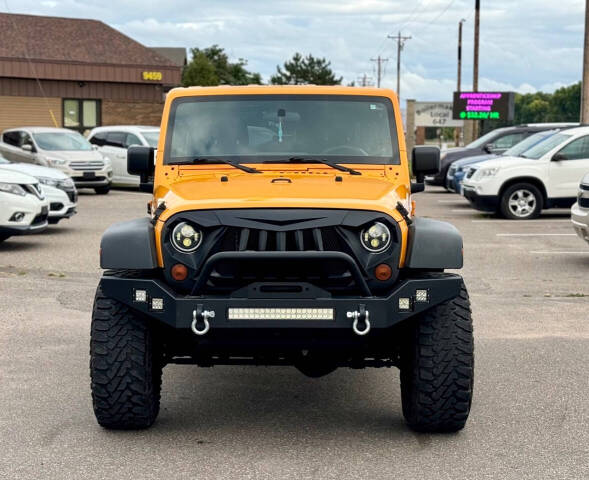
pixel 197 160
pixel 337 166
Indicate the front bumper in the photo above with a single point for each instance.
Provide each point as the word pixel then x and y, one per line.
pixel 62 204
pixel 178 310
pixel 91 179
pixel 580 221
pixel 484 203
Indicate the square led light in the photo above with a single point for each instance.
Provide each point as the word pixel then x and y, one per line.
pixel 404 303
pixel 157 303
pixel 141 295
pixel 421 296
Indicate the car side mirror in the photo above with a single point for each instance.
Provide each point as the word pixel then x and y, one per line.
pixel 425 160
pixel 27 147
pixel 558 157
pixel 489 148
pixel 94 147
pixel 140 161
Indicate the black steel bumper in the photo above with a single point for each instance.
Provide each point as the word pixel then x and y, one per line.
pixel 179 310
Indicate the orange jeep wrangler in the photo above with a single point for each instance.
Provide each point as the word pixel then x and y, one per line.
pixel 281 232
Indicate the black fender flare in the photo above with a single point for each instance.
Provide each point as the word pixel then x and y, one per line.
pixel 433 244
pixel 129 244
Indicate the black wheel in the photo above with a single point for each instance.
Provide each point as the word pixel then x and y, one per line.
pixel 125 367
pixel 102 190
pixel 437 368
pixel 3 237
pixel 522 201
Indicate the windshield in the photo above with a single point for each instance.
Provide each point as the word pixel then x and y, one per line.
pixel 486 138
pixel 264 128
pixel 528 143
pixel 542 148
pixel 151 137
pixel 59 141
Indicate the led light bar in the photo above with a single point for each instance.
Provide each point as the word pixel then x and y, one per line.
pixel 157 303
pixel 404 304
pixel 280 313
pixel 140 295
pixel 421 296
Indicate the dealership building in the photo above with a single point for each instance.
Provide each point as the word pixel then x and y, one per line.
pixel 79 73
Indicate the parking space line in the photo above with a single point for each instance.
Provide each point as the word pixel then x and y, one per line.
pixel 526 222
pixel 536 234
pixel 548 252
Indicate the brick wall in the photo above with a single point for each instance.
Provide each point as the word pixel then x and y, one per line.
pixel 29 112
pixel 127 113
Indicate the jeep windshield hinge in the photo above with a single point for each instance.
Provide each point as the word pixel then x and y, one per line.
pixel 404 213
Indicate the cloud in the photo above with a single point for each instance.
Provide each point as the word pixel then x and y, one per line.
pixel 525 45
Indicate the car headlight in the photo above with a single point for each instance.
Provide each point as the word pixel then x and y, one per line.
pixel 376 238
pixel 186 238
pixel 66 183
pixel 483 173
pixel 52 182
pixel 55 162
pixel 106 161
pixel 12 188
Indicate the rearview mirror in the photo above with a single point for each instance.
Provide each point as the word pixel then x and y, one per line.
pixel 558 157
pixel 489 148
pixel 140 161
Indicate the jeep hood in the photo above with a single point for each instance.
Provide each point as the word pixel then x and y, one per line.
pixel 270 190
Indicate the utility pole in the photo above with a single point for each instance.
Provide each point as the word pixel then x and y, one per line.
pixel 585 83
pixel 400 44
pixel 459 76
pixel 365 81
pixel 379 61
pixel 475 65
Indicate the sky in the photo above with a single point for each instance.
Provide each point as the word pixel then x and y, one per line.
pixel 525 45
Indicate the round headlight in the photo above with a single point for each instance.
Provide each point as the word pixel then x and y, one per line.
pixel 376 238
pixel 186 238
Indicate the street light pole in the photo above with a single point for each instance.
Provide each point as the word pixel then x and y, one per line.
pixel 475 66
pixel 459 75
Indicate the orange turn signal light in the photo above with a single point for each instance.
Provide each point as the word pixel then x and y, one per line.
pixel 179 272
pixel 383 272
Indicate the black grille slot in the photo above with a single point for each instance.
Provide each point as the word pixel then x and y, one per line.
pixel 584 202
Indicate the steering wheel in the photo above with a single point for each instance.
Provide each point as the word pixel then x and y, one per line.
pixel 344 149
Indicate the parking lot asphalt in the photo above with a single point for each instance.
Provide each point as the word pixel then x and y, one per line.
pixel 529 289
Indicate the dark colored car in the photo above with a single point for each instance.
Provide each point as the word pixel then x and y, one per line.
pixel 496 141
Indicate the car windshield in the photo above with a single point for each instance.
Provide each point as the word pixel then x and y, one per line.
pixel 528 143
pixel 266 128
pixel 542 148
pixel 151 137
pixel 487 138
pixel 59 141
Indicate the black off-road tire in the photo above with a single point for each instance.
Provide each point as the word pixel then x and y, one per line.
pixel 437 368
pixel 3 237
pixel 125 366
pixel 102 190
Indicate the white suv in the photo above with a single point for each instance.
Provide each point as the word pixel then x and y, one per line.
pixel 545 176
pixel 24 206
pixel 580 210
pixel 113 142
pixel 59 148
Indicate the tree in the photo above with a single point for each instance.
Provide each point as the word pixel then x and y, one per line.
pixel 561 106
pixel 211 66
pixel 304 70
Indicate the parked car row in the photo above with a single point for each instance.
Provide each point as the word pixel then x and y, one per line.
pixel 546 169
pixel 41 169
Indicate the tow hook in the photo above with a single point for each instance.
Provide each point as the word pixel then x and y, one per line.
pixel 201 317
pixel 361 325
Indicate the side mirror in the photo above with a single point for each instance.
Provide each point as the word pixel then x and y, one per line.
pixel 27 147
pixel 489 148
pixel 94 147
pixel 425 160
pixel 558 157
pixel 140 161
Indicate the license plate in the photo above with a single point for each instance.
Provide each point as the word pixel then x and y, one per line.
pixel 89 175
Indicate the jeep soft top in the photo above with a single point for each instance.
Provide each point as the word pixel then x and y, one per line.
pixel 282 233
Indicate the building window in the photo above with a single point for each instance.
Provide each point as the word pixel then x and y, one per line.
pixel 81 115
